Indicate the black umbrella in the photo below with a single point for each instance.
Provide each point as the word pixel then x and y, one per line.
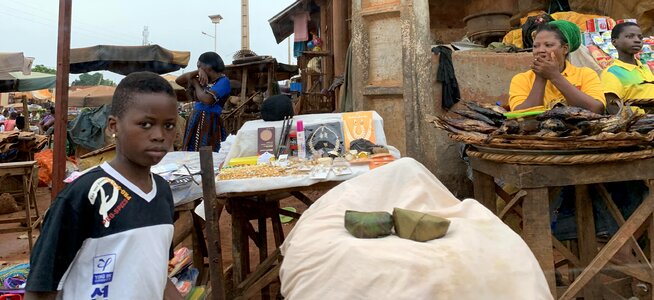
pixel 127 59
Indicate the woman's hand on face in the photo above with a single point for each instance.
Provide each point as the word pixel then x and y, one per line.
pixel 547 68
pixel 203 79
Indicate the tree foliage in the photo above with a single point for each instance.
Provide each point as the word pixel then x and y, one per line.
pixel 92 79
pixel 44 69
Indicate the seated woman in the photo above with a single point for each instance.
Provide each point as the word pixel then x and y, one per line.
pixel 552 78
pixel 210 89
pixel 627 78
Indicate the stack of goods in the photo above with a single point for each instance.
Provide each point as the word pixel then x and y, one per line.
pixel 646 56
pixel 15 145
pixel 13 278
pixel 8 145
pixel 561 129
pixel 183 275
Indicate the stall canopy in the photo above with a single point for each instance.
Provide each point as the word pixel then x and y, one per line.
pixel 19 82
pixel 282 23
pixel 91 97
pixel 127 59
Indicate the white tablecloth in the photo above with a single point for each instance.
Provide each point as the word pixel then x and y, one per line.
pixel 479 258
pixel 246 140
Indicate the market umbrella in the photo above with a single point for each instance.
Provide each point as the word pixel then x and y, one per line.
pixel 19 82
pixel 127 59
pixel 15 61
pixel 91 97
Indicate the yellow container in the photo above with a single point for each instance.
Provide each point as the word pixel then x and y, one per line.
pixel 242 161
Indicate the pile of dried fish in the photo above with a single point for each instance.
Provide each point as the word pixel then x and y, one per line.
pixel 487 125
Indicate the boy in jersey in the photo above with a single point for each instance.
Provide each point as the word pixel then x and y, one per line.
pixel 108 234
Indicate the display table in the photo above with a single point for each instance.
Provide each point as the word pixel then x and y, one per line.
pixel 245 143
pixel 537 180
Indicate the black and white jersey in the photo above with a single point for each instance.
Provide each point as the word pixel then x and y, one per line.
pixel 104 238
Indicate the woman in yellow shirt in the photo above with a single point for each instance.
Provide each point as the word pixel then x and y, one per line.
pixel 552 78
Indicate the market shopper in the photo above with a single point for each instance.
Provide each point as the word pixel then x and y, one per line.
pixel 627 77
pixel 47 124
pixel 210 88
pixel 552 78
pixel 108 234
pixel 10 123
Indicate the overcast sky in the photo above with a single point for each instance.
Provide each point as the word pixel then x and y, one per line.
pixel 30 26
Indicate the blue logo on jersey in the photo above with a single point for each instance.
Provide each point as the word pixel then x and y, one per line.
pixel 103 268
pixel 101 292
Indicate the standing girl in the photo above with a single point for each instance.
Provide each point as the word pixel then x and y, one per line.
pixel 210 88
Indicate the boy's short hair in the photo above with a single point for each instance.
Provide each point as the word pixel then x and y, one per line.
pixel 138 82
pixel 619 28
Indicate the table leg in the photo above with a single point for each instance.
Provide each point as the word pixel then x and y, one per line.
pixel 586 236
pixel 263 235
pixel 27 188
pixel 240 240
pixel 484 186
pixel 537 231
pixel 637 219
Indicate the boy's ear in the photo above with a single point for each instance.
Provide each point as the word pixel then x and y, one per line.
pixel 112 124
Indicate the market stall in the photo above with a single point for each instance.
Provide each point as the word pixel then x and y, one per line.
pixel 538 152
pixel 251 187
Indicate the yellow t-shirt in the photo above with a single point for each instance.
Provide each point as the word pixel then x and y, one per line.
pixel 628 81
pixel 585 79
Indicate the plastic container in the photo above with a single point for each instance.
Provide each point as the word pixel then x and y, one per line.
pixel 301 142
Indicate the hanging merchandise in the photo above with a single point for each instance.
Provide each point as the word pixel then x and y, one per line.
pixel 300 26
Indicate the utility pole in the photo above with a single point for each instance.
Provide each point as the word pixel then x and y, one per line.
pixel 215 19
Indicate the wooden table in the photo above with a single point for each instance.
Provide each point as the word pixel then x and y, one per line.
pixel 260 206
pixel 537 180
pixel 27 171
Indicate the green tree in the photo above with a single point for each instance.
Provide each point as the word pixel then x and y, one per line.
pixel 92 79
pixel 44 69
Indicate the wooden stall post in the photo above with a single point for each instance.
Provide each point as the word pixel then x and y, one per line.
pixel 61 94
pixel 212 211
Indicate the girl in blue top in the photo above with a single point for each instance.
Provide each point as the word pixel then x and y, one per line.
pixel 210 88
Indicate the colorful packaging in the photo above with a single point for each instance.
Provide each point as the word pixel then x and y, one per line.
pixel 590 25
pixel 586 39
pixel 627 20
pixel 601 24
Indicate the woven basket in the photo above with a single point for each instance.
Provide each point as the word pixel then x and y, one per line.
pixel 557 159
pixel 601 141
pixel 642 102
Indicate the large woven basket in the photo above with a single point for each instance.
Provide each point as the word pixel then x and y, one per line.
pixel 606 141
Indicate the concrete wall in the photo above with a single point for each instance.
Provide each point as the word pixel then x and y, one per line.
pixel 485 77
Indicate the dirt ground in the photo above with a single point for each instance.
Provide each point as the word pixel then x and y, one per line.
pixel 14 246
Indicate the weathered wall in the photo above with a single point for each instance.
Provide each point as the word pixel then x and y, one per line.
pixel 484 76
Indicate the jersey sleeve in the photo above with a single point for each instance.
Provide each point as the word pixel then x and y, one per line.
pixel 612 85
pixel 592 86
pixel 65 227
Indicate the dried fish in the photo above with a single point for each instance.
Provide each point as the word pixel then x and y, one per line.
pixel 473 115
pixel 447 127
pixel 508 127
pixel 569 113
pixel 495 108
pixel 553 125
pixel 581 128
pixel 529 126
pixel 483 110
pixel 470 125
pixel 620 122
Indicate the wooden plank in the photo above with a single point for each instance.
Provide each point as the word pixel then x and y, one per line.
pixel 511 204
pixel 612 247
pixel 651 244
pixel 325 185
pixel 278 232
pixel 262 268
pixel 25 166
pixel 536 232
pixel 634 270
pixel 263 235
pixel 617 215
pixel 484 186
pixel 183 227
pixel 244 85
pixel 565 252
pixel 240 247
pixel 291 214
pixel 61 94
pixel 265 280
pixel 212 211
pixel 586 236
pixel 302 197
pixel 537 176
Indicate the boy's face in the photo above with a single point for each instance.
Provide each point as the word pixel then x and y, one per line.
pixel 146 130
pixel 630 40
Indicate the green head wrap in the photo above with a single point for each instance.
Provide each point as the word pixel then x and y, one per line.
pixel 571 33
